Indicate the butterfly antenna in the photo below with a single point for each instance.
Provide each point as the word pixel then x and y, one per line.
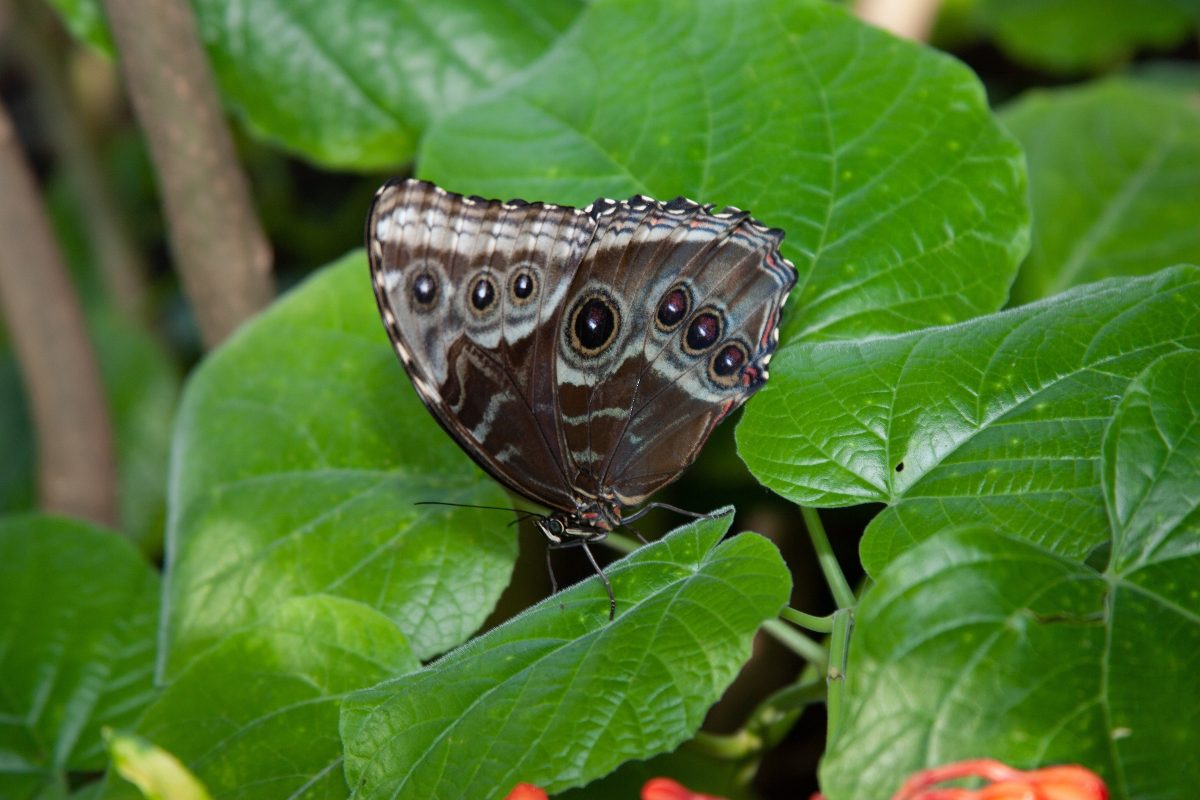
pixel 612 599
pixel 469 505
pixel 524 516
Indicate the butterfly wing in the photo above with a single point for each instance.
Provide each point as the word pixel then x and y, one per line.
pixel 688 302
pixel 468 289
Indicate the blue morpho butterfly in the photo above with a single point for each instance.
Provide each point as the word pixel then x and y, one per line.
pixel 582 357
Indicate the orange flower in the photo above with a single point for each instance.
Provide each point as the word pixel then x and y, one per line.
pixel 526 791
pixel 1006 783
pixel 667 789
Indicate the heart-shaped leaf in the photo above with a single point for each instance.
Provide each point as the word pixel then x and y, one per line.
pixel 997 419
pixel 257 716
pixel 300 451
pixel 1113 175
pixel 78 608
pixel 974 644
pixel 560 696
pixel 903 200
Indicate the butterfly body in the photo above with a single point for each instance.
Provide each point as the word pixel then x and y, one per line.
pixel 590 523
pixel 582 357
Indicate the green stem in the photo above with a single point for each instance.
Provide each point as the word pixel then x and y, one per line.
pixel 842 593
pixel 776 715
pixel 729 747
pixel 797 642
pixel 808 621
pixel 835 677
pixel 767 726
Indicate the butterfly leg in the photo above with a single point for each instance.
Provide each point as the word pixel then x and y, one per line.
pixel 550 569
pixel 635 532
pixel 612 599
pixel 582 544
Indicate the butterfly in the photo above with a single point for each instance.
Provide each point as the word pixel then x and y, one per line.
pixel 581 357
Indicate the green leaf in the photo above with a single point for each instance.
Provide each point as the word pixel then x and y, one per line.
pixel 257 717
pixel 1075 35
pixel 156 773
pixel 560 696
pixel 355 85
pixel 903 200
pixel 996 419
pixel 1151 470
pixel 975 644
pixel 300 451
pixel 1114 175
pixel 78 608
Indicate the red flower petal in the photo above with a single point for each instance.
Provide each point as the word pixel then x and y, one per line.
pixel 667 789
pixel 526 791
pixel 1052 783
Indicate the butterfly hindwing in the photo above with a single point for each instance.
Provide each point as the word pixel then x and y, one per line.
pixel 688 287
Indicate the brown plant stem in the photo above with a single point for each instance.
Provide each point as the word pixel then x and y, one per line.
pixel 41 46
pixel 77 472
pixel 223 256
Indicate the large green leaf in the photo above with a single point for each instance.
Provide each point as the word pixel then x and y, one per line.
pixel 1075 35
pixel 996 419
pixel 356 84
pixel 1114 174
pixel 975 644
pixel 560 696
pixel 300 451
pixel 78 608
pixel 257 717
pixel 903 201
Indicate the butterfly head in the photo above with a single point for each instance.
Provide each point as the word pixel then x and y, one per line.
pixel 590 522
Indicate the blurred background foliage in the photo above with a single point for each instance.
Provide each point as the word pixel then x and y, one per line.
pixel 1058 72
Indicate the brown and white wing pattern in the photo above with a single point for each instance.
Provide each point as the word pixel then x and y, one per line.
pixel 468 289
pixel 577 355
pixel 688 302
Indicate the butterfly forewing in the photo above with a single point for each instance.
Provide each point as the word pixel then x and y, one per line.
pixel 464 287
pixel 577 354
